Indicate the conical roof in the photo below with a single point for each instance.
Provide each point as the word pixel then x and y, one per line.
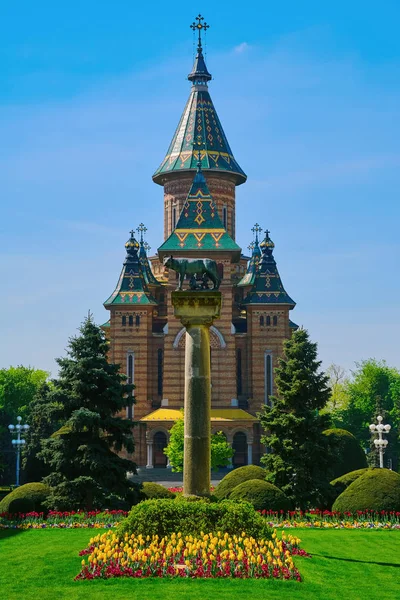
pixel 252 265
pixel 267 287
pixel 199 126
pixel 131 287
pixel 199 226
pixel 144 261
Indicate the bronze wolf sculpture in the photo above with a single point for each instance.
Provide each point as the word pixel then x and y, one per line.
pixel 193 266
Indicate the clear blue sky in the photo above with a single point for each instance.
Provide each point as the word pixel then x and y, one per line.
pixel 309 97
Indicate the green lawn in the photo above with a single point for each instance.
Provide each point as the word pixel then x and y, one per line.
pixel 346 565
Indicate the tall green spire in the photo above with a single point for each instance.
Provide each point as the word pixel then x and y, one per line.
pixel 199 226
pixel 144 261
pixel 267 287
pixel 131 287
pixel 199 124
pixel 250 275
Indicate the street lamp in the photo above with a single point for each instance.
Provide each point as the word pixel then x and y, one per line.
pixel 17 443
pixel 379 442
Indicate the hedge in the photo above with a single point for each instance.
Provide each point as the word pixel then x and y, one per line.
pixel 236 477
pixel 150 490
pixel 341 483
pixel 27 497
pixel 163 517
pixel 347 452
pixel 376 490
pixel 261 494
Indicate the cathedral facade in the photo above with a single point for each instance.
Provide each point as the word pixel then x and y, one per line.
pixel 199 175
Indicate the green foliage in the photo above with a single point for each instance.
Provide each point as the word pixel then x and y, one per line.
pixel 298 452
pixel 34 493
pixel 221 451
pixel 261 494
pixel 346 452
pixel 374 389
pixel 164 517
pixel 236 477
pixel 90 393
pixel 21 505
pixel 18 386
pixel 376 489
pixel 341 483
pixel 150 490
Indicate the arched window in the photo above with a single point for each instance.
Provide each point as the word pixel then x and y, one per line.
pixel 268 377
pixel 220 269
pixel 225 217
pixel 130 320
pixel 239 372
pixel 237 298
pixel 268 319
pixel 173 218
pixel 275 320
pixel 137 320
pixel 261 320
pixel 130 373
pixel 162 298
pixel 159 372
pixel 123 321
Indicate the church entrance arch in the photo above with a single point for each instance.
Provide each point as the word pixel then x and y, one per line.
pixel 239 445
pixel 160 442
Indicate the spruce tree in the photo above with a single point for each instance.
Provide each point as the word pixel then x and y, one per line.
pixel 298 454
pixel 86 471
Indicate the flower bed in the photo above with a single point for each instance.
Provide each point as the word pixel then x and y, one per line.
pixel 62 520
pixel 206 556
pixel 325 519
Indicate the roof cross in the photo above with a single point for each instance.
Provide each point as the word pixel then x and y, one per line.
pixel 199 26
pixel 256 229
pixel 141 229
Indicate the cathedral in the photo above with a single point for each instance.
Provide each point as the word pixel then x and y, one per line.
pixel 199 175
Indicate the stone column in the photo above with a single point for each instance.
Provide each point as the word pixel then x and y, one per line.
pixel 149 442
pixel 197 311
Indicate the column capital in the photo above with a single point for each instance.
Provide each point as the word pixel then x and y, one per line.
pixel 196 308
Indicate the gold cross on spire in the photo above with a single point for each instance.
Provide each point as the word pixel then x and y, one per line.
pixel 199 26
pixel 256 230
pixel 141 229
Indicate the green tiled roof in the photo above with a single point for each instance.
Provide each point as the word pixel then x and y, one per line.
pixel 131 287
pixel 199 226
pixel 250 275
pixel 199 126
pixel 267 287
pixel 293 325
pixel 146 268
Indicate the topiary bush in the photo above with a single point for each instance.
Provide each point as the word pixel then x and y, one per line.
pixel 376 489
pixel 341 483
pixel 152 490
pixel 234 478
pixel 347 454
pixel 35 493
pixel 261 494
pixel 21 505
pixel 163 517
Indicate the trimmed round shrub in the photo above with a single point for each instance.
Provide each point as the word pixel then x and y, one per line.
pixel 261 494
pixel 21 505
pixel 376 489
pixel 152 490
pixel 341 483
pixel 163 517
pixel 35 493
pixel 347 452
pixel 237 476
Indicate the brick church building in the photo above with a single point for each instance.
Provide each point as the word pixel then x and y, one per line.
pixel 199 175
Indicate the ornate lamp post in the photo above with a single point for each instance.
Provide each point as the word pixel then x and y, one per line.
pixel 379 442
pixel 17 443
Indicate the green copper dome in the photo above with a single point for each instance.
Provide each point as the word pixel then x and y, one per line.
pixel 199 127
pixel 199 226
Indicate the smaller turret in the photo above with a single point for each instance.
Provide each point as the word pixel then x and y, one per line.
pixel 267 287
pixel 144 261
pixel 249 277
pixel 131 287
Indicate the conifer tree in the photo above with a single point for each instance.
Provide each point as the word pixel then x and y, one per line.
pixel 86 471
pixel 298 454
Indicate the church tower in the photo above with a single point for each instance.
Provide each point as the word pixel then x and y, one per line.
pixel 199 175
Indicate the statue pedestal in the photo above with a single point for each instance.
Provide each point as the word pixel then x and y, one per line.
pixel 197 311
